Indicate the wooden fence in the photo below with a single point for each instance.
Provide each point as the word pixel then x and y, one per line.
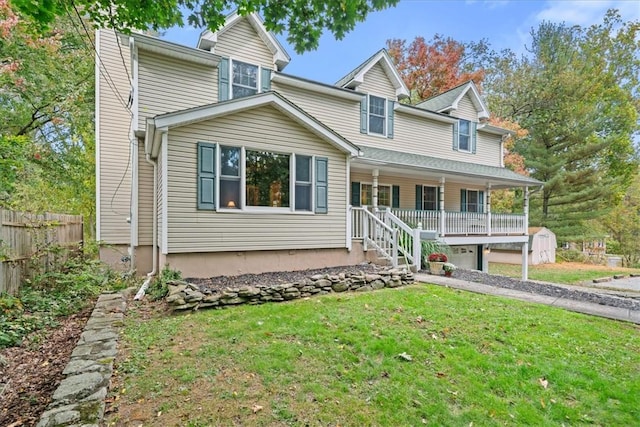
pixel 31 243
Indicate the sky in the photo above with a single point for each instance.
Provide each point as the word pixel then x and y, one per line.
pixel 504 23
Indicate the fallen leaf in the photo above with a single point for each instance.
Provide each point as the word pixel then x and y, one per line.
pixel 542 403
pixel 405 356
pixel 419 319
pixel 256 408
pixel 543 382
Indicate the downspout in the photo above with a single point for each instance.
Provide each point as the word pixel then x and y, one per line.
pixel 154 238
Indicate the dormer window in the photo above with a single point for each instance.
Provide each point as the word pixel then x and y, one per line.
pixel 464 136
pixel 245 79
pixel 377 115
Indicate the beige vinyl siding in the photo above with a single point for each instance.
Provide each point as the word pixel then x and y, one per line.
pixel 192 230
pixel 145 200
pixel 167 84
pixel 241 42
pixel 408 189
pixel 114 181
pixel 466 110
pixel 489 149
pixel 377 83
pixel 342 115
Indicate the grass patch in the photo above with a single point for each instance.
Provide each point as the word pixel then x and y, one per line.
pixel 569 273
pixel 335 360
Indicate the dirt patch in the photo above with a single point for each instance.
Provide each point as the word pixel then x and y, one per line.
pixel 29 374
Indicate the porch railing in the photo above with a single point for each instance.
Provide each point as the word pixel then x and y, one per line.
pixel 463 223
pixel 375 234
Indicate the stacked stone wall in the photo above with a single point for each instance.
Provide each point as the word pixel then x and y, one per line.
pixel 189 296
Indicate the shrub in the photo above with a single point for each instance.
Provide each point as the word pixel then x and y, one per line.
pixel 160 288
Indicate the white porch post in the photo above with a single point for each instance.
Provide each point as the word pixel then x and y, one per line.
pixel 526 211
pixel 485 258
pixel 441 207
pixel 488 209
pixel 417 247
pixel 374 197
pixel 525 260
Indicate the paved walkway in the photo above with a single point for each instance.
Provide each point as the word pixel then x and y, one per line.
pixel 568 304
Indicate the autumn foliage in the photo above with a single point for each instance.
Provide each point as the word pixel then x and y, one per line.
pixel 430 68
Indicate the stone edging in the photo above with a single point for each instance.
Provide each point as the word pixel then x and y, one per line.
pixel 79 399
pixel 188 296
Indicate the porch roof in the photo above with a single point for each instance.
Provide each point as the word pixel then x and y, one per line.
pixel 498 177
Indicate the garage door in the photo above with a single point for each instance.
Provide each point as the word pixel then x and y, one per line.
pixel 464 257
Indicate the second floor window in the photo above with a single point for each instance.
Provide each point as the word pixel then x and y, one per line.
pixel 244 79
pixel 377 115
pixel 464 135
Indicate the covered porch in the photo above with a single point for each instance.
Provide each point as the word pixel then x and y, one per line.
pixel 422 198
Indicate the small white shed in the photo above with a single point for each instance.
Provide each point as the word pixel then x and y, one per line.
pixel 542 249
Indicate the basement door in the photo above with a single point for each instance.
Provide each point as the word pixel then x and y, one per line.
pixel 464 257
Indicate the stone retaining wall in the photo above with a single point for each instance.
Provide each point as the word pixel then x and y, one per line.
pixel 189 296
pixel 79 399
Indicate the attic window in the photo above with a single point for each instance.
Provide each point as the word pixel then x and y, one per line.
pixel 464 135
pixel 245 79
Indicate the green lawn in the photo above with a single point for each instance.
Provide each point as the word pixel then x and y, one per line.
pixel 335 360
pixel 570 273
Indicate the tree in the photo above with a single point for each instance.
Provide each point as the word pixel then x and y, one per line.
pixel 303 21
pixel 430 68
pixel 576 93
pixel 46 117
pixel 622 224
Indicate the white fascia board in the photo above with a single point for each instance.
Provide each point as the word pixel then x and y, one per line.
pixel 162 123
pixel 495 130
pixel 316 87
pixel 396 80
pixel 483 111
pixel 173 50
pixel 424 113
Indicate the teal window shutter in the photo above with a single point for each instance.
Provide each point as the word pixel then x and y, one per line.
pixel 481 201
pixel 463 200
pixel 473 130
pixel 355 194
pixel 322 184
pixel 206 176
pixel 390 113
pixel 395 196
pixel 223 79
pixel 456 131
pixel 419 205
pixel 265 80
pixel 438 198
pixel 364 112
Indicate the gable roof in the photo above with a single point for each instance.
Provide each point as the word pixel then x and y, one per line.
pixel 209 39
pixel 161 123
pixel 356 77
pixel 448 101
pixel 498 177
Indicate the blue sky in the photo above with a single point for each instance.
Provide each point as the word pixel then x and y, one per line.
pixel 504 23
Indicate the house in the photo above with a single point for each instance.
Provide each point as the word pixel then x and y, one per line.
pixel 213 160
pixel 542 249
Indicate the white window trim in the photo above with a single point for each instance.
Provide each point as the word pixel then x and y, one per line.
pixel 384 116
pixel 258 76
pixel 468 150
pixel 243 208
pixel 380 184
pixel 437 200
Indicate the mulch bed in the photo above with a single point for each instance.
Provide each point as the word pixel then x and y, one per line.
pixel 30 373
